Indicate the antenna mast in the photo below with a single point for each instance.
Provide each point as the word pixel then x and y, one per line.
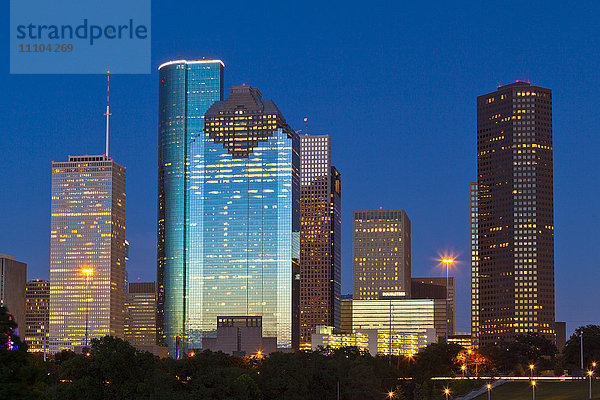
pixel 107 107
pixel 306 126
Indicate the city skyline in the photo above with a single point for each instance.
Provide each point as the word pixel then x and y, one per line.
pixel 436 203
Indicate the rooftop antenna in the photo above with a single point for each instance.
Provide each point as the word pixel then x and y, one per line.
pixel 306 126
pixel 107 107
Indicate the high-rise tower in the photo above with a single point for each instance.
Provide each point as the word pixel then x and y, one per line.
pixel 380 254
pixel 37 314
pixel 515 214
pixel 186 90
pixel 87 251
pixel 320 238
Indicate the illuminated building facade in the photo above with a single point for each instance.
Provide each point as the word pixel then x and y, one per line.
pixel 380 254
pixel 435 288
pixel 140 314
pixel 13 277
pixel 515 213
pixel 320 222
pixel 474 264
pixel 87 251
pixel 376 342
pixel 37 315
pixel 243 238
pixel 186 90
pixel 397 315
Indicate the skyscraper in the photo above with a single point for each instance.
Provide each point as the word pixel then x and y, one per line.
pixel 140 314
pixel 380 254
pixel 474 265
pixel 320 237
pixel 515 213
pixel 242 232
pixel 37 315
pixel 186 90
pixel 13 277
pixel 87 251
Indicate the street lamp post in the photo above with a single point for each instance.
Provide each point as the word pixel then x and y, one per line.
pixel 590 373
pixel 446 392
pixel 463 368
pixel 531 367
pixel 489 390
pixel 533 388
pixel 447 261
pixel 88 272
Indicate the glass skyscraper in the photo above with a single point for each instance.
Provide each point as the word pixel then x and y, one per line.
pixel 228 211
pixel 186 90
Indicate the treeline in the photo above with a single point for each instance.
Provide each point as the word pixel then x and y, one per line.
pixel 113 369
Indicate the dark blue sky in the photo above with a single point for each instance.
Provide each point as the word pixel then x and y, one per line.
pixel 394 83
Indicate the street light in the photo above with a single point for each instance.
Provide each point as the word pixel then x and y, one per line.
pixel 463 368
pixel 447 261
pixel 533 388
pixel 590 373
pixel 391 394
pixel 88 272
pixel 447 392
pixel 531 367
pixel 489 388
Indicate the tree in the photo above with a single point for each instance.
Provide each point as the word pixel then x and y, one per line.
pixel 21 375
pixel 591 344
pixel 113 370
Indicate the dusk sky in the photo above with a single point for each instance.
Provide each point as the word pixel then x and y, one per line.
pixel 393 83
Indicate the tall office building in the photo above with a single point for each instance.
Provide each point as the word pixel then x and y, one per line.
pixel 236 220
pixel 515 213
pixel 474 265
pixel 87 251
pixel 320 237
pixel 37 315
pixel 186 90
pixel 13 277
pixel 140 314
pixel 380 254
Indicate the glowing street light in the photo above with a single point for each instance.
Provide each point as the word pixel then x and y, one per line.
pixel 391 394
pixel 590 373
pixel 447 261
pixel 531 367
pixel 533 388
pixel 463 368
pixel 446 392
pixel 489 390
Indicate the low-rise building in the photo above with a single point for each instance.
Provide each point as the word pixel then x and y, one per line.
pixel 374 341
pixel 240 336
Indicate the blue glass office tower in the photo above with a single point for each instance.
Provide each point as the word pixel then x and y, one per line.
pixel 244 219
pixel 186 90
pixel 228 209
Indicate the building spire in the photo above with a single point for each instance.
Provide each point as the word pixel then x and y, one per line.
pixel 107 108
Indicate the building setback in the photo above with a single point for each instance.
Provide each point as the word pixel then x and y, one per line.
pixel 380 254
pixel 37 315
pixel 320 237
pixel 13 276
pixel 515 214
pixel 87 251
pixel 140 314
